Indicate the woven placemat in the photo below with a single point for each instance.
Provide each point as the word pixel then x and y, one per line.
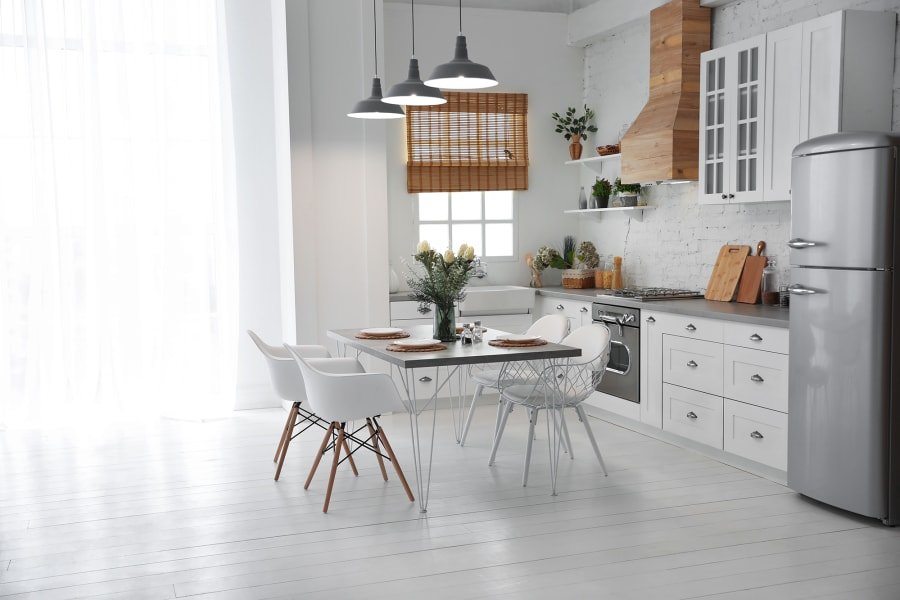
pixel 393 336
pixel 434 348
pixel 508 344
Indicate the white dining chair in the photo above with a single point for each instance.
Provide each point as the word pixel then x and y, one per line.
pixel 340 398
pixel 552 328
pixel 288 385
pixel 561 385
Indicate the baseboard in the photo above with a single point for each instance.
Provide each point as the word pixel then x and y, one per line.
pixel 738 462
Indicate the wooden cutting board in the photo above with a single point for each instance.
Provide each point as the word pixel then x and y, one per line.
pixel 751 278
pixel 725 275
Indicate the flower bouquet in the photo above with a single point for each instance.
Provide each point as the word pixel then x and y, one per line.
pixel 441 280
pixel 577 264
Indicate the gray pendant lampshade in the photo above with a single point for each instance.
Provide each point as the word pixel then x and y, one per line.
pixel 413 92
pixel 461 73
pixel 372 107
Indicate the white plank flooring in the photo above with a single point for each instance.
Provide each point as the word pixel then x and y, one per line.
pixel 169 510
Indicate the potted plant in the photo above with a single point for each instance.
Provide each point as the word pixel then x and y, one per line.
pixel 628 192
pixel 577 265
pixel 600 192
pixel 575 128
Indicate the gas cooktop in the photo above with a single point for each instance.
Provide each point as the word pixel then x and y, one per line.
pixel 652 293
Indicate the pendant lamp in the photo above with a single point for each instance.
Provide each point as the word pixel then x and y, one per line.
pixel 372 107
pixel 461 73
pixel 413 92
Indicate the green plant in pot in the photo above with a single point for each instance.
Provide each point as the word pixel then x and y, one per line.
pixel 575 128
pixel 600 192
pixel 628 192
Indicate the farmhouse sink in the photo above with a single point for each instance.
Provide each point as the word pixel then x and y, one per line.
pixel 497 300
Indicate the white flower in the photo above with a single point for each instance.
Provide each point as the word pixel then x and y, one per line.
pixel 449 257
pixel 469 254
pixel 423 246
pixel 462 251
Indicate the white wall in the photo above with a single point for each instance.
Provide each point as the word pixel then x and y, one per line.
pixel 677 243
pixel 337 170
pixel 527 52
pixel 255 85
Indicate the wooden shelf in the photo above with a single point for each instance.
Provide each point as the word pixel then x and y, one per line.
pixel 595 163
pixel 638 211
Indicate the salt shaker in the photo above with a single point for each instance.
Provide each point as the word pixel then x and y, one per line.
pixel 477 332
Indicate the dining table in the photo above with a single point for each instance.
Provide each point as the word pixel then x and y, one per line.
pixel 450 367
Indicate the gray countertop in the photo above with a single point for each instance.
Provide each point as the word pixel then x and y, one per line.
pixel 754 314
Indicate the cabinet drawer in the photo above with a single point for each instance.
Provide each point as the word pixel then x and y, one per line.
pixel 757 377
pixel 694 364
pixel 692 414
pixel 771 339
pixel 694 327
pixel 756 433
pixel 408 310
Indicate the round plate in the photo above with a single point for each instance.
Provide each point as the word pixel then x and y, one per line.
pixel 381 331
pixel 420 343
pixel 519 337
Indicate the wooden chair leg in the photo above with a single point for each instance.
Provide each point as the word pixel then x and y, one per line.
pixel 350 457
pixel 390 451
pixel 340 443
pixel 319 454
pixel 373 437
pixel 287 442
pixel 288 429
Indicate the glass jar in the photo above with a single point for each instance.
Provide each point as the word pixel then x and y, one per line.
pixel 770 295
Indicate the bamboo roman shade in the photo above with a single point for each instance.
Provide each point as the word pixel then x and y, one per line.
pixel 474 142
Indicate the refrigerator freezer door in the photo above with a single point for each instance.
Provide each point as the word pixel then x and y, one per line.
pixel 842 212
pixel 839 387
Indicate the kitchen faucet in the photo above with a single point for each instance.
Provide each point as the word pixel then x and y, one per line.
pixel 480 268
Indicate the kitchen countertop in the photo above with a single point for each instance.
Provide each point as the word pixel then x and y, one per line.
pixel 754 314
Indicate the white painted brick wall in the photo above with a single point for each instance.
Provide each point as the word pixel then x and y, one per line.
pixel 677 242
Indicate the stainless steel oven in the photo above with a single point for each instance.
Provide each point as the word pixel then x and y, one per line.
pixel 623 376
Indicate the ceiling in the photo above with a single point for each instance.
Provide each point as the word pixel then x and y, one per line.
pixel 557 6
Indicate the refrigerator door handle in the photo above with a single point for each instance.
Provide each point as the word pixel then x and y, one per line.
pixel 801 291
pixel 800 244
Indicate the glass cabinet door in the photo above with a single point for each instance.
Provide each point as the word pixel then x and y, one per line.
pixel 746 165
pixel 713 133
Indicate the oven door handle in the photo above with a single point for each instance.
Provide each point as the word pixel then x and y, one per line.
pixel 627 353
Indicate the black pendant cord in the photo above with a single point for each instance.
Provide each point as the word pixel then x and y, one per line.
pixel 460 17
pixel 375 29
pixel 412 12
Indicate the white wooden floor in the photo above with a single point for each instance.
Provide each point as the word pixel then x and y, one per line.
pixel 172 509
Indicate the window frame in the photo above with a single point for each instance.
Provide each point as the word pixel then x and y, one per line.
pixel 449 222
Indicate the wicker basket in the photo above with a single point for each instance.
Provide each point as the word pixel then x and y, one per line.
pixel 578 278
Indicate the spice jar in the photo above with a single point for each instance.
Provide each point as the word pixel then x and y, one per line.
pixel 770 295
pixel 617 281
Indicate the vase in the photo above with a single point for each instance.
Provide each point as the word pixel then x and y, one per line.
pixel 594 203
pixel 582 200
pixel 444 323
pixel 575 148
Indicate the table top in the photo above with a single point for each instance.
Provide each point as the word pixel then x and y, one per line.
pixel 455 354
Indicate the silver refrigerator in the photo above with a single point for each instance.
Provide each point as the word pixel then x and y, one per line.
pixel 844 417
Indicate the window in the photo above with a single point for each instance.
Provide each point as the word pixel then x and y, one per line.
pixel 484 220
pixel 475 142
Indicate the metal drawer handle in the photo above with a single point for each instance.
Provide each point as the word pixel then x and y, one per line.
pixel 584 309
pixel 799 244
pixel 801 291
pixel 691 415
pixel 651 320
pixel 755 338
pixel 756 435
pixel 756 378
pixel 692 364
pixel 559 307
pixel 690 327
pixel 425 379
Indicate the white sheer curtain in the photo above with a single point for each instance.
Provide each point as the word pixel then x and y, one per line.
pixel 117 237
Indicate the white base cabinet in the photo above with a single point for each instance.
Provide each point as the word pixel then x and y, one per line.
pixel 692 414
pixel 756 433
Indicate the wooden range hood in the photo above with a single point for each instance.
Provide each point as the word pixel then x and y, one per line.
pixel 663 144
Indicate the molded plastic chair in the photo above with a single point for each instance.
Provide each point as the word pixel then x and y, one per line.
pixel 563 384
pixel 552 328
pixel 339 398
pixel 288 384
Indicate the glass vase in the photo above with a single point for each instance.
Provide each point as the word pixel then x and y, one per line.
pixel 445 323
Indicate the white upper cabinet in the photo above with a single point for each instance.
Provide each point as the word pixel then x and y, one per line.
pixel 731 122
pixel 830 74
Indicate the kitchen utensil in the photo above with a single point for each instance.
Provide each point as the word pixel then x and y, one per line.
pixel 727 272
pixel 748 288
